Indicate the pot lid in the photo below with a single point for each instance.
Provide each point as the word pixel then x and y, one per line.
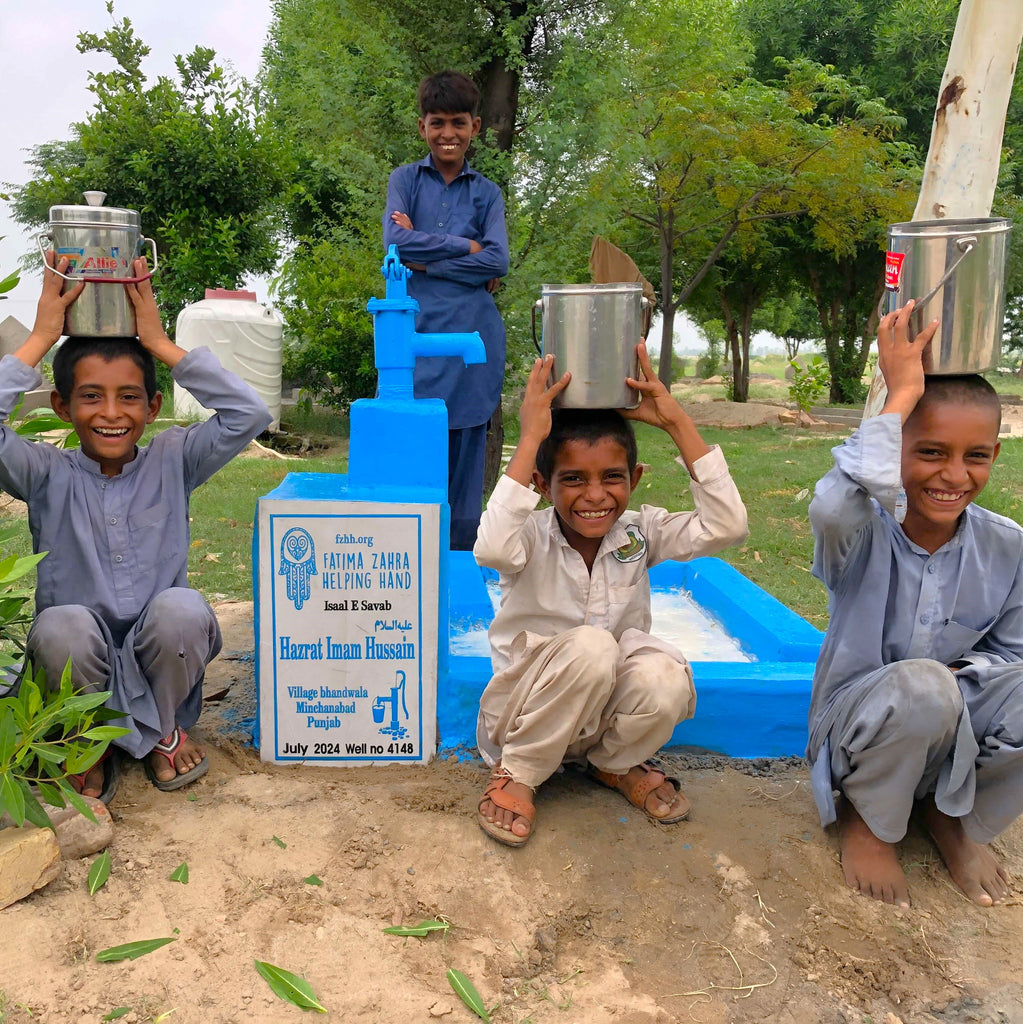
pixel 95 214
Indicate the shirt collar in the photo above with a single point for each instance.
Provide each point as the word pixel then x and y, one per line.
pixel 93 467
pixel 964 530
pixel 427 164
pixel 615 538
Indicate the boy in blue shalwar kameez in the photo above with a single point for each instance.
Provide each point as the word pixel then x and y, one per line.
pixel 448 223
pixel 112 594
pixel 918 694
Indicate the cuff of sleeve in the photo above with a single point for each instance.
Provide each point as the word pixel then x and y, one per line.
pixel 880 462
pixel 707 467
pixel 22 376
pixel 510 494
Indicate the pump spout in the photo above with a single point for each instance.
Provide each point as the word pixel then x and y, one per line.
pixel 468 346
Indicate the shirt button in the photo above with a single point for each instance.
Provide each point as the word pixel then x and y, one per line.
pixel 924 619
pixel 444 206
pixel 931 568
pixel 118 558
pixel 440 223
pixel 113 520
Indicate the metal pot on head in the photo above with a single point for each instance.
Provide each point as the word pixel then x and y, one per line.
pixel 592 331
pixel 956 272
pixel 101 243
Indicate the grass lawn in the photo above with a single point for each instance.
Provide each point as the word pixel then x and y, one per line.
pixel 774 468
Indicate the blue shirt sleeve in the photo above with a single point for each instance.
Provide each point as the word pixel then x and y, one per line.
pixel 479 267
pixel 415 246
pixel 24 464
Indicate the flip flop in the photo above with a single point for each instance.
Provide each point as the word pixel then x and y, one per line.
pixel 169 750
pixel 637 790
pixel 495 793
pixel 111 775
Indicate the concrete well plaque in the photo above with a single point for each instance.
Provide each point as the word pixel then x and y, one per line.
pixel 348 609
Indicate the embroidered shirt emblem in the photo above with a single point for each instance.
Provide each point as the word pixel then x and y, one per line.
pixel 636 547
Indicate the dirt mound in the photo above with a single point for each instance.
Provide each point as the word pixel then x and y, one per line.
pixel 736 917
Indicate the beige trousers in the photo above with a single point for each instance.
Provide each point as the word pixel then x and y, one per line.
pixel 583 696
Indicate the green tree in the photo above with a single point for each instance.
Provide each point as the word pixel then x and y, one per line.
pixel 195 155
pixel 704 155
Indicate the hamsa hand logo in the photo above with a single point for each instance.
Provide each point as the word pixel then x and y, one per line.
pixel 298 564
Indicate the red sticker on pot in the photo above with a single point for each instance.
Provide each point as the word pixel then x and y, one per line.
pixel 893 269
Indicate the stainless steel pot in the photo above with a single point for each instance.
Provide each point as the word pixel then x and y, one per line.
pixel 102 243
pixel 956 272
pixel 592 331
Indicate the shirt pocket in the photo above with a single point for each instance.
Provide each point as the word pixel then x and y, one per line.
pixel 628 605
pixel 150 535
pixel 954 640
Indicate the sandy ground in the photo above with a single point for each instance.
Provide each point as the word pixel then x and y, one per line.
pixel 737 916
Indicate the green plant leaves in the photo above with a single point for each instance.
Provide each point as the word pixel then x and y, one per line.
pixel 131 950
pixel 117 1012
pixel 418 930
pixel 313 880
pixel 280 842
pixel 290 987
pixel 466 991
pixel 99 872
pixel 180 874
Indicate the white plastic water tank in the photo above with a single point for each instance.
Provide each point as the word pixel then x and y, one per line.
pixel 247 338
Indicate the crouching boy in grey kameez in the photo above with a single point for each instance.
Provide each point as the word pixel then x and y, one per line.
pixel 112 594
pixel 918 693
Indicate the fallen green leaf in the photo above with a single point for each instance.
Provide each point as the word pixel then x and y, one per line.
pixel 131 950
pixel 466 991
pixel 180 874
pixel 290 987
pixel 192 797
pixel 99 872
pixel 280 842
pixel 313 880
pixel 118 1011
pixel 418 930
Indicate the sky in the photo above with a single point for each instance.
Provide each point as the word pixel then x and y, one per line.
pixel 44 82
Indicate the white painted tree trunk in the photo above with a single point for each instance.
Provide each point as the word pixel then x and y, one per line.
pixel 966 140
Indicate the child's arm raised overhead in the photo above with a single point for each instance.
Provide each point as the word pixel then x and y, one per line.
pixel 720 516
pixel 868 465
pixel 659 409
pixel 25 465
pixel 240 414
pixel 49 322
pixel 496 545
pixel 534 418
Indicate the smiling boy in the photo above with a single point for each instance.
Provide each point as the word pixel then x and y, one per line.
pixel 578 677
pixel 918 693
pixel 112 594
pixel 448 223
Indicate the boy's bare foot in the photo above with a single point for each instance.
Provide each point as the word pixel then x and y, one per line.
pixel 514 814
pixel 187 756
pixel 871 865
pixel 973 866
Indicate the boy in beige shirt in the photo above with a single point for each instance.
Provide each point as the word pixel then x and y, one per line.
pixel 578 676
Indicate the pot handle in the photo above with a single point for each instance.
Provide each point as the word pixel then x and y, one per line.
pixel 536 344
pixel 965 245
pixel 76 278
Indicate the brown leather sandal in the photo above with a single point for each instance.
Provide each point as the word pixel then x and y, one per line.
pixel 636 791
pixel 494 792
